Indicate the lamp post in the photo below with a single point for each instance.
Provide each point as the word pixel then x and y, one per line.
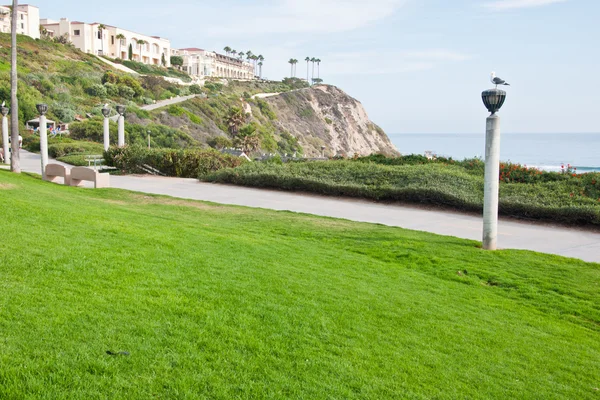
pixel 493 99
pixel 149 139
pixel 106 113
pixel 5 148
pixel 43 109
pixel 323 151
pixel 121 130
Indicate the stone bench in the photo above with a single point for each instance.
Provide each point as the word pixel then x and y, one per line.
pixel 80 174
pixel 56 171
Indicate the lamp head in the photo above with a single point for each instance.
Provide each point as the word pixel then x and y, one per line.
pixel 4 110
pixel 42 108
pixel 106 112
pixel 493 99
pixel 121 109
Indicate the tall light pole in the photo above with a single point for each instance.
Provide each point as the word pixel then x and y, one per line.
pixel 121 130
pixel 106 113
pixel 5 147
pixel 493 100
pixel 43 109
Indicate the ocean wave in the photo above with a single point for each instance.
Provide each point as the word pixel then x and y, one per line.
pixel 557 168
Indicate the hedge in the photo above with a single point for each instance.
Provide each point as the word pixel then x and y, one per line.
pixel 62 149
pixel 190 163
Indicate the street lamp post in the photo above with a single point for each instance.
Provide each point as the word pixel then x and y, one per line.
pixel 106 113
pixel 43 109
pixel 493 99
pixel 5 147
pixel 121 130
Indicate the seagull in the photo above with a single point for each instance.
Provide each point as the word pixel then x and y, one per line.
pixel 497 81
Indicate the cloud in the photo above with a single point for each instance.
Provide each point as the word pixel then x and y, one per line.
pixel 307 16
pixel 503 5
pixel 382 63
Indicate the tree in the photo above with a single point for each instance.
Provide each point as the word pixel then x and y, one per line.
pixel 120 37
pixel 140 43
pixel 291 62
pixel 260 64
pixel 318 67
pixel 130 52
pixel 250 143
pixel 101 29
pixel 177 61
pixel 15 159
pixel 307 59
pixel 313 67
pixel 234 119
pixel 233 53
pixel 227 50
pixel 163 60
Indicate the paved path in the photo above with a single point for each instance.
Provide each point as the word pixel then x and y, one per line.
pixel 516 235
pixel 168 102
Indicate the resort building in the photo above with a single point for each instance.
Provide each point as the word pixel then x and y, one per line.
pixel 28 20
pixel 203 64
pixel 111 41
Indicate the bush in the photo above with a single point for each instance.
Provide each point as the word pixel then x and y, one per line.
pixel 219 142
pixel 179 163
pixel 96 90
pixel 265 109
pixel 126 92
pixel 195 89
pixel 112 90
pixel 64 149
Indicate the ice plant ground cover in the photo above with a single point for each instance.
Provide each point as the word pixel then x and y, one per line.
pixel 114 294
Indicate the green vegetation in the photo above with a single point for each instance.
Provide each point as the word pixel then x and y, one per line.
pixel 147 69
pixel 221 302
pixel 566 198
pixel 63 149
pixel 180 163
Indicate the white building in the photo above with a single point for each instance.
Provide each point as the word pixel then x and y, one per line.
pixel 203 64
pixel 28 20
pixel 111 41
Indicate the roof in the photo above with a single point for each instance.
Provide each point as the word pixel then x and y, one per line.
pixel 192 49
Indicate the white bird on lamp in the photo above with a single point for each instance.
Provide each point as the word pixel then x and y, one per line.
pixel 497 81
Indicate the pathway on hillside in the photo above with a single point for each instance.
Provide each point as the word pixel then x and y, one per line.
pixel 168 102
pixel 516 235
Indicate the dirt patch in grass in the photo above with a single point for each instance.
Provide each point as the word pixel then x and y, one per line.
pixel 6 186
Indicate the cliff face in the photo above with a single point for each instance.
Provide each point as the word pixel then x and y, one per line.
pixel 324 115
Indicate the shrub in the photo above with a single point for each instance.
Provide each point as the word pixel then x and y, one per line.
pixel 219 142
pixel 112 90
pixel 195 89
pixel 265 109
pixel 328 121
pixel 180 163
pixel 64 149
pixel 126 92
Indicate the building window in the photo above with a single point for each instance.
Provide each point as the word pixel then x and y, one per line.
pixel 22 26
pixel 99 34
pixel 112 40
pixel 22 17
pixel 76 32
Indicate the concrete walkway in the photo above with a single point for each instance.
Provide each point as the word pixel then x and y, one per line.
pixel 164 103
pixel 544 238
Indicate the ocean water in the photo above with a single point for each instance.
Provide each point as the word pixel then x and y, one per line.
pixel 544 151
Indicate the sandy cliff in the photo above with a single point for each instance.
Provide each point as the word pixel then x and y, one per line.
pixel 324 115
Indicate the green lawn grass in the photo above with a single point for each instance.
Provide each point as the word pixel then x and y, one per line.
pixel 226 302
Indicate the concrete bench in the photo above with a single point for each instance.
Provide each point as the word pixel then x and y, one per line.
pixel 80 174
pixel 56 171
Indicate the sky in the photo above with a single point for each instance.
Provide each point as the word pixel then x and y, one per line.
pixel 418 66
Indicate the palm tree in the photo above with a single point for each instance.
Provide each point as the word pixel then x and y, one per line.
pixel 140 43
pixel 234 52
pixel 234 119
pixel 260 64
pixel 15 159
pixel 295 68
pixel 291 62
pixel 254 60
pixel 120 38
pixel 227 50
pixel 250 143
pixel 307 59
pixel 318 67
pixel 101 29
pixel 313 60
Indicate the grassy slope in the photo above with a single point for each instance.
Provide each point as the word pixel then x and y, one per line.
pixel 228 302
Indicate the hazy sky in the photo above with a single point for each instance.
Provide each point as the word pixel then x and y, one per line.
pixel 416 65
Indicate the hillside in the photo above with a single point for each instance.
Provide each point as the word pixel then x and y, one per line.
pixel 299 120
